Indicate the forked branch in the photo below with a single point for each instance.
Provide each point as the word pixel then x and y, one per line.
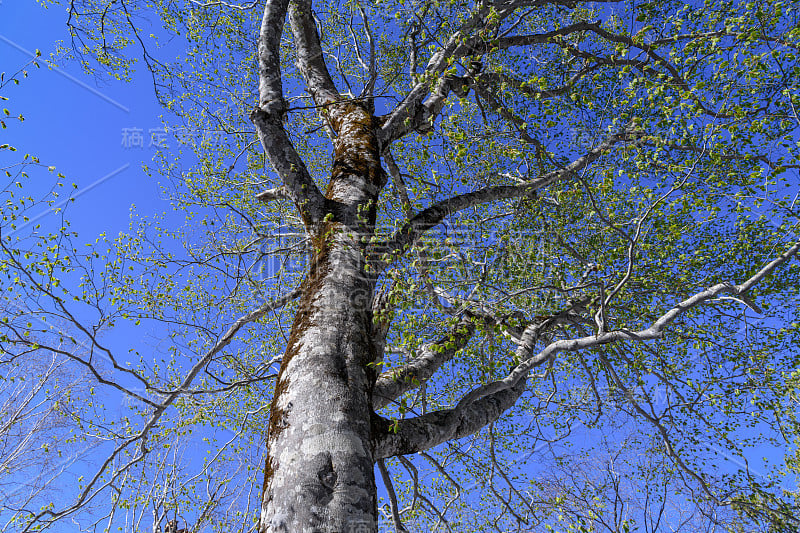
pixel 269 115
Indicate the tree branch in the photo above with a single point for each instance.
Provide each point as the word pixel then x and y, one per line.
pixel 270 87
pixel 310 60
pixel 89 491
pixel 426 219
pixel 655 331
pixel 415 112
pixel 393 383
pixel 487 403
pixel 268 119
pixel 424 432
pixel 387 482
pixel 278 193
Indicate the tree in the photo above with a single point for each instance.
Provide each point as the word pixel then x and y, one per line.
pixel 591 202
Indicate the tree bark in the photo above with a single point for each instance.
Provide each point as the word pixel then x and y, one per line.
pixel 319 471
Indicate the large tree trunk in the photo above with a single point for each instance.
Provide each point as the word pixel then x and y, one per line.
pixel 319 471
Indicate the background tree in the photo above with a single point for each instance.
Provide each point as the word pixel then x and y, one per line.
pixel 521 197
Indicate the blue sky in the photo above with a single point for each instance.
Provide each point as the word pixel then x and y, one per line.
pixel 77 125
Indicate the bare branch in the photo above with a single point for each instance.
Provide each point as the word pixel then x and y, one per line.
pixel 310 60
pixel 268 119
pixel 387 482
pixel 90 489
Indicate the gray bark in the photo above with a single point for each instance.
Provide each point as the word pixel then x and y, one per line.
pixel 426 431
pixel 268 119
pixel 319 470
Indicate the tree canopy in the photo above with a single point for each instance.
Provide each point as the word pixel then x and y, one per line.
pixel 578 229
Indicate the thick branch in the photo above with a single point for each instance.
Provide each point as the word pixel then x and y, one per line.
pixel 268 119
pixel 270 87
pixel 540 38
pixel 278 193
pixel 297 182
pixel 496 79
pixel 416 112
pixel 424 432
pixel 393 383
pixel 310 60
